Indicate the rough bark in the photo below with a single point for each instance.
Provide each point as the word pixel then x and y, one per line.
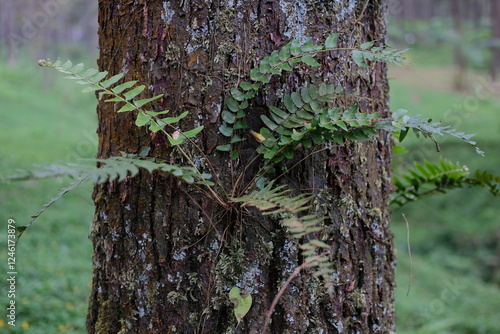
pixel 165 256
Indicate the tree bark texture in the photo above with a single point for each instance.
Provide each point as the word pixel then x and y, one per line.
pixel 165 255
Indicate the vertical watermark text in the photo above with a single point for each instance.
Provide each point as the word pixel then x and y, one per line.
pixel 11 272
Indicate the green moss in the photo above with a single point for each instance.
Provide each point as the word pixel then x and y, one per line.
pixel 224 22
pixel 108 312
pixel 174 297
pixel 358 299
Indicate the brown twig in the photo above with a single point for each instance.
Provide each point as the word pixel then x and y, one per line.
pixel 287 283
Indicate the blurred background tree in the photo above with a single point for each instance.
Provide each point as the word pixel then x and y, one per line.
pixel 455 238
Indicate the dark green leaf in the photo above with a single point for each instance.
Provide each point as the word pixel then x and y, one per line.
pixel 155 127
pixel 171 120
pixel 367 45
pixel 309 60
pixel 295 48
pixel 127 107
pixel 359 59
pixel 297 100
pixel 140 103
pixel 235 139
pixel 274 58
pixel 290 106
pixel 331 41
pixel 304 93
pixel 225 130
pixel 285 67
pixel 193 132
pixel 142 119
pixel 232 104
pixel 285 52
pixel 280 113
pixel 228 116
pixel 112 80
pixel 120 88
pixel 224 148
pixel 270 124
pixel 240 125
pixel 134 92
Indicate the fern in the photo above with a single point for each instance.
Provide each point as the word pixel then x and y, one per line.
pixel 285 59
pixel 424 126
pixel 313 123
pixel 277 201
pixel 428 178
pixel 62 192
pixel 124 93
pixel 111 169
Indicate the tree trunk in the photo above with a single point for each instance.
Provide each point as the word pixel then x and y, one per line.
pixel 458 54
pixel 7 18
pixel 495 27
pixel 165 255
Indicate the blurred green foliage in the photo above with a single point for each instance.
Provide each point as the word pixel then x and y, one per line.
pixel 45 120
pixel 454 238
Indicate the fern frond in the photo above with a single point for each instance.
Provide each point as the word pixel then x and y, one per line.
pixel 126 94
pixel 62 192
pixel 428 178
pixel 304 52
pixel 310 122
pixel 111 169
pixel 424 126
pixel 277 200
pixel 285 59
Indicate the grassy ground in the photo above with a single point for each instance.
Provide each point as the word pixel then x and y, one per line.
pixel 44 121
pixel 454 238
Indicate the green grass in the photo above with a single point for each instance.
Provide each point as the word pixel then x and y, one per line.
pixel 455 238
pixel 44 121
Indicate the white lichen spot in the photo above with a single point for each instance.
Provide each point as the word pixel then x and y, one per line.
pixel 296 16
pixel 214 245
pixel 168 13
pixel 339 326
pixel 141 312
pixel 290 319
pixel 179 256
pixel 345 11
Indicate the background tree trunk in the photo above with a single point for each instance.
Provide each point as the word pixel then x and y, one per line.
pixel 165 256
pixel 458 54
pixel 495 28
pixel 7 17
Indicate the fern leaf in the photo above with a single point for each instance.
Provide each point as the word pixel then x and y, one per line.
pixel 429 178
pixel 424 126
pixel 62 192
pixel 277 201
